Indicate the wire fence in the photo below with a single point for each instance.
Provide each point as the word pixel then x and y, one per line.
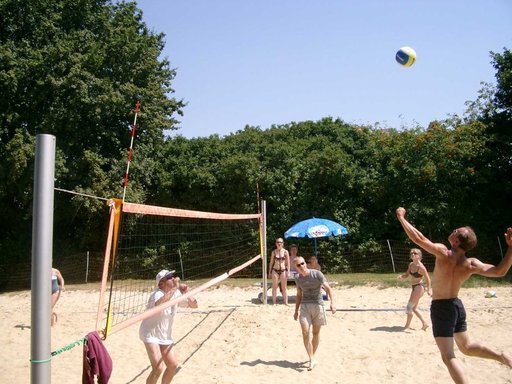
pixel 389 256
pixel 80 268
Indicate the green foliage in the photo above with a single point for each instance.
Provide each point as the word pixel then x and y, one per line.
pixel 503 96
pixel 74 69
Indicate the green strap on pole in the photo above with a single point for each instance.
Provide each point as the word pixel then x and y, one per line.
pixel 41 361
pixel 59 351
pixel 68 347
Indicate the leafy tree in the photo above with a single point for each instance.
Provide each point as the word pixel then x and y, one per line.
pixel 74 69
pixel 503 96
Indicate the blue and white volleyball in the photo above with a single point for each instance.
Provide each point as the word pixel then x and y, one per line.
pixel 406 56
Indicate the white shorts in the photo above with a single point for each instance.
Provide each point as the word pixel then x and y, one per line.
pixel 312 314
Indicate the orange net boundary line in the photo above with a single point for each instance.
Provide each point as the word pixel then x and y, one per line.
pixel 192 292
pixel 163 211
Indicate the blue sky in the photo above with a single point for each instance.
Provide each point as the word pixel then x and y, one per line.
pixel 272 62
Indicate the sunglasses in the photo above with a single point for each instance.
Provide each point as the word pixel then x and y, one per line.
pixel 169 277
pixel 299 264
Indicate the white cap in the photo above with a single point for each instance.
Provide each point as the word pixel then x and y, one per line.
pixel 163 273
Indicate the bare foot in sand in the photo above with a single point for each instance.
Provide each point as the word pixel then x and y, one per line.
pixel 506 359
pixel 54 318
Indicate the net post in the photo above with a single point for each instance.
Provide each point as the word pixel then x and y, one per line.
pixel 42 239
pixel 114 212
pixel 264 248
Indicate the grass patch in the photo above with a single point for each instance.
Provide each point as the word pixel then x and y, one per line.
pixel 382 280
pixel 386 280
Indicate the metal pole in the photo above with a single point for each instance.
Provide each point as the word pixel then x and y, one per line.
pixel 42 239
pixel 501 249
pixel 181 264
pixel 87 268
pixel 391 254
pixel 264 256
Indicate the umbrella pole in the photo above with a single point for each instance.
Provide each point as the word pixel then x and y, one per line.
pixel 315 248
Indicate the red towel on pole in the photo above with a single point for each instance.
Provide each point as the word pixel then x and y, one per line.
pixel 97 361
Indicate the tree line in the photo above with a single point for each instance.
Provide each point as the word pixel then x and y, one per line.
pixel 76 69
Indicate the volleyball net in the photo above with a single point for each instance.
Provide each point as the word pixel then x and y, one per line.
pixel 203 248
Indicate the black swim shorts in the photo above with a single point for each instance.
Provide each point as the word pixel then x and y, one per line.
pixel 448 317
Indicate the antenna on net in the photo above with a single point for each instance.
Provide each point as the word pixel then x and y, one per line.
pixel 130 150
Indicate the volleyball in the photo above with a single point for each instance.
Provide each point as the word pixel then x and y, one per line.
pixel 406 56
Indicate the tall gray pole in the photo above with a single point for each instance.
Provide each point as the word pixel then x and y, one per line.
pixel 42 239
pixel 264 247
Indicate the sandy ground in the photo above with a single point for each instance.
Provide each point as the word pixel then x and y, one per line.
pixel 233 338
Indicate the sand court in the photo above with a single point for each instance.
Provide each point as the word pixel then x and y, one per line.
pixel 233 338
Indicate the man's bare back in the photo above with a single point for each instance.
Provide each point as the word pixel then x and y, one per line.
pixel 449 274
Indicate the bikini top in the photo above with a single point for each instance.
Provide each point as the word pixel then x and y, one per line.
pixel 416 274
pixel 279 256
pixel 280 261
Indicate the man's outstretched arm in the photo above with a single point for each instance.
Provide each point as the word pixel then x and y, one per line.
pixel 417 237
pixel 502 268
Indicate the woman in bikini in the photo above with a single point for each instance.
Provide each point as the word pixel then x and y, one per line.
pixel 278 270
pixel 57 287
pixel 416 271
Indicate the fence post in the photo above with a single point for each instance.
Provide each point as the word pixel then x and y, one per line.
pixel 181 263
pixel 501 249
pixel 391 254
pixel 87 267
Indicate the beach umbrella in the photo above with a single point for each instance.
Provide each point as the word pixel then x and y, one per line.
pixel 315 228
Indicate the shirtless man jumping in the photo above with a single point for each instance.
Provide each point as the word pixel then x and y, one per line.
pixel 447 312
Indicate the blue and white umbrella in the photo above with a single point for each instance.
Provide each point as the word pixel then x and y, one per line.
pixel 315 228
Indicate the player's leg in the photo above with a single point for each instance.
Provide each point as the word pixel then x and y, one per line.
pixel 157 364
pixel 315 342
pixel 416 295
pixel 284 292
pixel 476 349
pixel 55 297
pixel 305 320
pixel 171 362
pixel 408 311
pixel 306 338
pixel 417 313
pixel 275 283
pixel 319 320
pixel 445 346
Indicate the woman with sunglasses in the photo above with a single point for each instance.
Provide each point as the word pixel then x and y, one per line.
pixel 156 331
pixel 416 271
pixel 278 270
